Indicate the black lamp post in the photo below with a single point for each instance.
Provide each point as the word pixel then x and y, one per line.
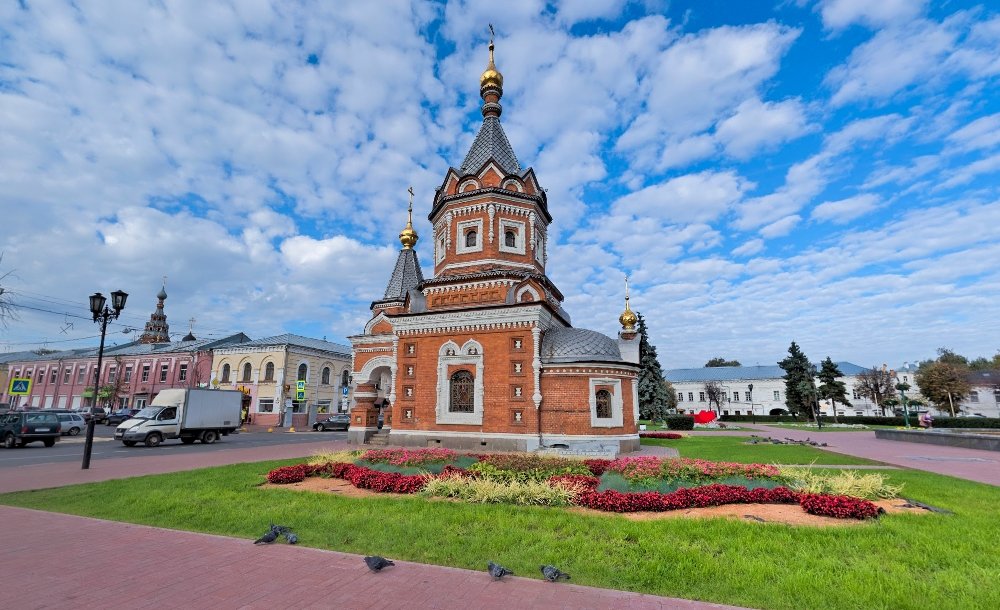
pixel 103 315
pixel 753 414
pixel 903 387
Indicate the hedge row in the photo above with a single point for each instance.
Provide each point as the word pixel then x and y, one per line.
pixel 870 420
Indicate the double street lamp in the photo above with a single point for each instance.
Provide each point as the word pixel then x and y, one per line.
pixel 102 315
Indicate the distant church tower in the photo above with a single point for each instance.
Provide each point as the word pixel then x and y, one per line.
pixel 157 330
pixel 482 355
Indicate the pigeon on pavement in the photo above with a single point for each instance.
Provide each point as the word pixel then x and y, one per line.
pixel 267 538
pixel 497 571
pixel 552 573
pixel 376 563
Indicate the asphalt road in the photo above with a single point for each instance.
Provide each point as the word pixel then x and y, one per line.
pixel 70 448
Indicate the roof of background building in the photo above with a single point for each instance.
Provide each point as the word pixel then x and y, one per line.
pixel 731 373
pixel 300 341
pixel 134 348
pixel 561 345
pixel 491 143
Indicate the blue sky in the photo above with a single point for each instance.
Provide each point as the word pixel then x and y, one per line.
pixel 818 171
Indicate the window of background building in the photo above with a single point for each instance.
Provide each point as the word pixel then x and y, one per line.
pixel 690 396
pixel 80 373
pixel 225 373
pixel 303 369
pixel 112 374
pixel 701 397
pixel 128 374
pixel 603 404
pixel 52 375
pixel 680 396
pixel 145 372
pixel 269 372
pixel 973 396
pixel 265 405
pixel 325 378
pixel 182 373
pixel 747 395
pixel 247 372
pixel 163 372
pixel 777 395
pixel 67 373
pixel 462 393
pixel 345 378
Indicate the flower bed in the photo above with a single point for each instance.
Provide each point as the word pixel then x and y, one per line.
pixel 552 481
pixel 667 435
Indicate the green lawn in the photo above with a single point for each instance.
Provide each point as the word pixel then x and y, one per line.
pixel 905 561
pixel 735 449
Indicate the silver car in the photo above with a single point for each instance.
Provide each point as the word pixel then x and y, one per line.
pixel 72 424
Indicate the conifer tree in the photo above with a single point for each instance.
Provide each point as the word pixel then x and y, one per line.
pixel 799 384
pixel 653 395
pixel 831 389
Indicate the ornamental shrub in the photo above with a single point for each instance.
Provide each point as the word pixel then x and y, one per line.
pixel 668 435
pixel 488 491
pixel 871 486
pixel 334 456
pixel 688 497
pixel 523 467
pixel 409 457
pixel 287 474
pixel 597 466
pixel 680 422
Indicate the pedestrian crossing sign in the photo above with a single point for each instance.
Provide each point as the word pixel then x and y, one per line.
pixel 20 386
pixel 300 395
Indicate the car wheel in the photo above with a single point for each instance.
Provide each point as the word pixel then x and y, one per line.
pixel 154 439
pixel 49 442
pixel 9 441
pixel 74 431
pixel 320 428
pixel 209 436
pixel 129 443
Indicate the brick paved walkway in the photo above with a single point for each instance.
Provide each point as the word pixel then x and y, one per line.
pixel 971 464
pixel 66 560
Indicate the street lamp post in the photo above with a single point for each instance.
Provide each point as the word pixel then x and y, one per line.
pixel 753 415
pixel 903 387
pixel 102 315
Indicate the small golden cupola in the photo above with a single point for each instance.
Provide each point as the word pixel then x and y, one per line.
pixel 408 237
pixel 627 319
pixel 491 85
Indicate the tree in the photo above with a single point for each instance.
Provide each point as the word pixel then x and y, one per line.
pixel 944 383
pixel 653 397
pixel 876 385
pixel 986 364
pixel 715 394
pixel 719 361
pixel 799 373
pixel 831 389
pixel 671 395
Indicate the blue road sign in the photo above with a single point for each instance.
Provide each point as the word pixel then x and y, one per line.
pixel 19 386
pixel 344 391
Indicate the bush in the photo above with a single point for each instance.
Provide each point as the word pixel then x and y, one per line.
pixel 688 497
pixel 597 466
pixel 487 491
pixel 409 457
pixel 385 482
pixel 287 474
pixel 523 467
pixel 841 507
pixel 668 435
pixel 680 422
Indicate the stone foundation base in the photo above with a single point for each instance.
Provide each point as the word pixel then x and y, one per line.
pixel 588 446
pixel 360 436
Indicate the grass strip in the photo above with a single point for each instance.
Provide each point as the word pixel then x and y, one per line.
pixel 736 449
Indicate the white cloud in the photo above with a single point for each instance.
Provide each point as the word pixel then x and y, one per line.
pixel 780 227
pixel 689 198
pixel 838 14
pixel 983 132
pixel 757 124
pixel 845 210
pixel 749 248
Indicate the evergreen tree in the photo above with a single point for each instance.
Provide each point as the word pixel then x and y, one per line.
pixel 831 389
pixel 799 383
pixel 719 361
pixel 653 396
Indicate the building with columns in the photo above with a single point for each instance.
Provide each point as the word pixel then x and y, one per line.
pixel 482 354
pixel 267 371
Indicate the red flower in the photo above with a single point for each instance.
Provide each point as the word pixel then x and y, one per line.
pixel 287 474
pixel 841 507
pixel 670 435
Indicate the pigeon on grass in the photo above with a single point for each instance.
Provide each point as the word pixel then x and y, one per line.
pixel 291 538
pixel 376 563
pixel 280 529
pixel 268 538
pixel 552 573
pixel 497 571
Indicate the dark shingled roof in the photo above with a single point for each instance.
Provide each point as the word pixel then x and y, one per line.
pixel 578 345
pixel 405 276
pixel 491 143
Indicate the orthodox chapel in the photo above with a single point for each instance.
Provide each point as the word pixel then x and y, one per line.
pixel 481 355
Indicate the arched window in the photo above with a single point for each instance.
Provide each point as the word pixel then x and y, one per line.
pixel 604 404
pixel 247 371
pixel 462 393
pixel 302 372
pixel 269 372
pixel 325 380
pixel 510 239
pixel 345 379
pixel 470 238
pixel 225 373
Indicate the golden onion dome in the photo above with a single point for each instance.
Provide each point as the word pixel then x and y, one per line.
pixel 491 76
pixel 628 319
pixel 408 237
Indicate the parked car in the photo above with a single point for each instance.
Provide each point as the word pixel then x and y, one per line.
pixel 98 413
pixel 72 424
pixel 17 429
pixel 339 421
pixel 119 416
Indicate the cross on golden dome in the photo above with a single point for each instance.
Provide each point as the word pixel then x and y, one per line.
pixel 627 319
pixel 408 237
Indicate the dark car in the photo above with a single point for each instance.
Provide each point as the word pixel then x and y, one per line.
pixel 340 421
pixel 99 414
pixel 119 416
pixel 17 429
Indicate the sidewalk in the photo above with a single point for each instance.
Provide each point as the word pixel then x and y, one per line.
pixel 971 464
pixel 65 560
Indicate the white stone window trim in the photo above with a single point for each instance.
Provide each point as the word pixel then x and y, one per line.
pixel 617 406
pixel 461 357
pixel 518 228
pixel 529 290
pixel 463 226
pixel 440 247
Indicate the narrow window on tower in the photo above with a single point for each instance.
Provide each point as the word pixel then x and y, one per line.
pixel 470 238
pixel 603 404
pixel 510 239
